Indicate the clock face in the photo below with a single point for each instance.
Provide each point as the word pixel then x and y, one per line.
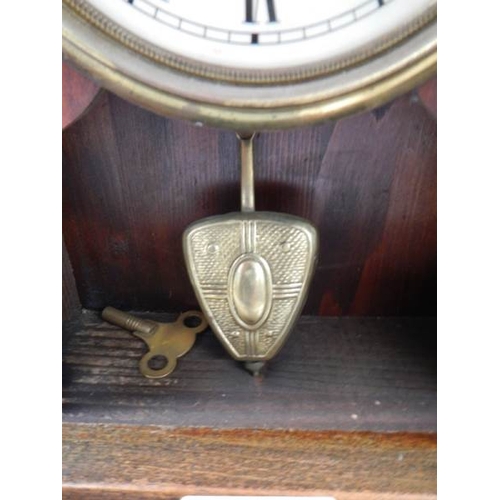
pixel 273 61
pixel 264 34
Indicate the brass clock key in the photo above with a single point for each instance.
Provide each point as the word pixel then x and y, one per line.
pixel 166 341
pixel 251 272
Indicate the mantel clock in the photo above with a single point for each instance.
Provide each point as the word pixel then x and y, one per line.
pixel 251 65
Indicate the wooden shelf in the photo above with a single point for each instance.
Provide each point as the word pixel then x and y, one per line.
pixel 348 408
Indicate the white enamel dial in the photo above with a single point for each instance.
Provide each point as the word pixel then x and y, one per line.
pixel 263 34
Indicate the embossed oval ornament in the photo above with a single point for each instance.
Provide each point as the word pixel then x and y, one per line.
pixel 249 289
pixel 250 286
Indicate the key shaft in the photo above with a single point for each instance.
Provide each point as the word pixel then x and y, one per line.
pixel 128 322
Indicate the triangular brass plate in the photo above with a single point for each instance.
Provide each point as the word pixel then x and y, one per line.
pixel 251 273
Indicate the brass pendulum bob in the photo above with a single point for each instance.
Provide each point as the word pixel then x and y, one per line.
pixel 251 272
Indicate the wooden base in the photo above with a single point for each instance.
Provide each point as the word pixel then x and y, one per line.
pixel 108 461
pixel 347 409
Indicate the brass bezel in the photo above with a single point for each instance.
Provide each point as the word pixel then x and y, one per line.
pixel 99 48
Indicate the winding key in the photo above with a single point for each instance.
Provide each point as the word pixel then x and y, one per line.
pixel 166 341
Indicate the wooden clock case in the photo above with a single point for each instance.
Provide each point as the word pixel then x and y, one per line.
pixel 348 408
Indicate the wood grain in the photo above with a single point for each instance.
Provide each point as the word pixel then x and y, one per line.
pixel 132 182
pixel 71 307
pixel 108 461
pixel 350 374
pixel 78 93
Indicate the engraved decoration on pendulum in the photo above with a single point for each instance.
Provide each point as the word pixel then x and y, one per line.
pixel 251 272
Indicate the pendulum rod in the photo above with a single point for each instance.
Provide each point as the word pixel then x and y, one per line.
pixel 247 183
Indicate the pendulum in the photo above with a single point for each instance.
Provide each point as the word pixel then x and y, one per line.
pixel 251 272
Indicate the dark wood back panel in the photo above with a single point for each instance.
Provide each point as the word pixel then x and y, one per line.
pixel 71 307
pixel 132 181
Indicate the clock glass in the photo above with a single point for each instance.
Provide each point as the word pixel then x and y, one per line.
pixel 250 54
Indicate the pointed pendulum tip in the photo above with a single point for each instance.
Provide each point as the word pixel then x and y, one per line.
pixel 254 367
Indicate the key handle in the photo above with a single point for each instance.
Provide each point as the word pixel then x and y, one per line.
pixel 166 341
pixel 169 341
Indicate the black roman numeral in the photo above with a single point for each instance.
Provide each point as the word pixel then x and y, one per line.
pixel 251 7
pixel 271 11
